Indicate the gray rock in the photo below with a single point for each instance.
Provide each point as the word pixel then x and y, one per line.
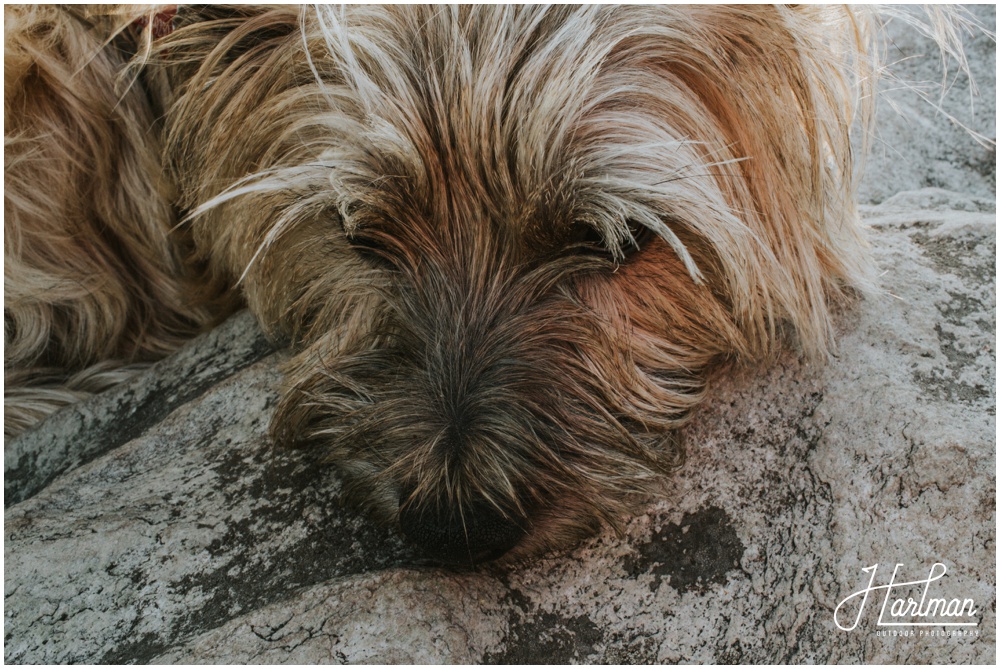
pixel 174 532
pixel 85 430
pixel 924 116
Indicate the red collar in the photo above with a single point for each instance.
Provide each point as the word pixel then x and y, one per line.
pixel 162 22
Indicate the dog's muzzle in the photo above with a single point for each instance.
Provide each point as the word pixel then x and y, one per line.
pixel 479 534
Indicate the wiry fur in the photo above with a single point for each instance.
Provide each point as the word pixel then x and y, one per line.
pixel 440 208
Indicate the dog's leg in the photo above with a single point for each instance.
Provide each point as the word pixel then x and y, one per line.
pixel 94 274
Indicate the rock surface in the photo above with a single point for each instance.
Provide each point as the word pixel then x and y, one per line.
pixel 167 529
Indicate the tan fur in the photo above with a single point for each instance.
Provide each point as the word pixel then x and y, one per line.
pixel 440 207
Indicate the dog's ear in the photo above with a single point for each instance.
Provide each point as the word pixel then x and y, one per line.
pixel 786 86
pixel 760 100
pixel 87 209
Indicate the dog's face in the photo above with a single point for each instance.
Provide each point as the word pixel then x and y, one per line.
pixel 510 241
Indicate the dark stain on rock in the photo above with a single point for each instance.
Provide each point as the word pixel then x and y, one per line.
pixel 698 552
pixel 247 571
pixel 968 257
pixel 545 638
pixel 972 259
pixel 732 654
pixel 146 646
pixel 948 382
pixel 631 650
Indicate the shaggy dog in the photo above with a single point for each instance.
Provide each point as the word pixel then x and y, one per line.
pixel 507 244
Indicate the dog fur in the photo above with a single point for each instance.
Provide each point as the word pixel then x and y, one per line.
pixel 507 244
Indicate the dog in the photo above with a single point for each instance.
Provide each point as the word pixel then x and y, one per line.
pixel 507 245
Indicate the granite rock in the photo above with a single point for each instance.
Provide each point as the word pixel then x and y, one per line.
pixel 157 523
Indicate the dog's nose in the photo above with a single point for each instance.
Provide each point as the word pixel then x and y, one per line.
pixel 480 533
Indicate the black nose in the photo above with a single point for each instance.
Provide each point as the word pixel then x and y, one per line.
pixel 480 533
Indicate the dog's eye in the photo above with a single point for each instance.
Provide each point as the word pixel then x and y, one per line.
pixel 587 239
pixel 371 250
pixel 641 236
